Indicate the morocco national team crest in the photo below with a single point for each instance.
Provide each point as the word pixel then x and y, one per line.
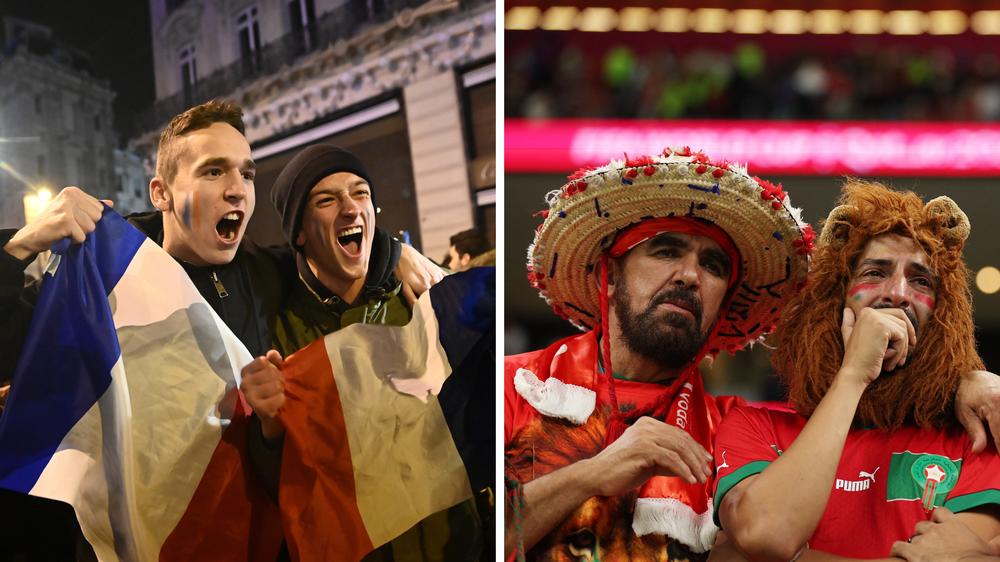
pixel 926 477
pixel 934 474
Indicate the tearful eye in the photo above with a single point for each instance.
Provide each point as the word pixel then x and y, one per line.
pixel 582 544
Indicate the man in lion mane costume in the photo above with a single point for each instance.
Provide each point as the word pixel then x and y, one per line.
pixel 873 351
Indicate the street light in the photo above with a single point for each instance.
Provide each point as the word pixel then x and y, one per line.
pixel 36 202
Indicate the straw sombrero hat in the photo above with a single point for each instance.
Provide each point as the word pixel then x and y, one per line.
pixel 586 214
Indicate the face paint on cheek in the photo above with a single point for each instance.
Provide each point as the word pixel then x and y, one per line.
pixel 856 293
pixel 926 300
pixel 186 210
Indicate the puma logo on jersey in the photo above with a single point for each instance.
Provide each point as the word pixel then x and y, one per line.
pixel 871 475
pixel 724 463
pixel 868 478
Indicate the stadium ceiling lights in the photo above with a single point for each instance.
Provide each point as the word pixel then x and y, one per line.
pixel 753 21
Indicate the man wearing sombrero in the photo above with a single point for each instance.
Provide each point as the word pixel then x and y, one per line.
pixel 677 258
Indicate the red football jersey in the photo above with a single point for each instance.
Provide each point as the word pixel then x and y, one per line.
pixel 885 482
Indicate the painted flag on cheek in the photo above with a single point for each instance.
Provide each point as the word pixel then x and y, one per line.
pixel 125 405
pixel 383 422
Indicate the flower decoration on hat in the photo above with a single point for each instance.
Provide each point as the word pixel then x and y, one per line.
pixel 585 216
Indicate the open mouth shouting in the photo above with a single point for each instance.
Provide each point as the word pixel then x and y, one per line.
pixel 350 240
pixel 228 226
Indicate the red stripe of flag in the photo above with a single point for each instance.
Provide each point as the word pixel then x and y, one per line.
pixel 230 517
pixel 318 496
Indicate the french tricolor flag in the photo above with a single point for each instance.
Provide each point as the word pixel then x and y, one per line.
pixel 408 418
pixel 125 405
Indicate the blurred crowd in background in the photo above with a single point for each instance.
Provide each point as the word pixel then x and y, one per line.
pixel 550 77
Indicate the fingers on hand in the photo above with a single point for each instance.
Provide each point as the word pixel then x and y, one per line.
pixel 974 427
pixel 275 358
pixel 77 198
pixel 675 465
pixel 408 294
pixel 899 340
pixel 268 407
pixel 847 324
pixel 992 415
pixel 77 233
pixel 680 445
pixel 941 514
pixel 994 545
pixel 261 370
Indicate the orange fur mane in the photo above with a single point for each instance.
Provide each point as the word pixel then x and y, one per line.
pixel 809 344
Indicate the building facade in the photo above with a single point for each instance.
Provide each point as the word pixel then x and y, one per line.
pixel 408 85
pixel 56 126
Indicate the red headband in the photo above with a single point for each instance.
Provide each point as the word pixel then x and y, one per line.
pixel 649 228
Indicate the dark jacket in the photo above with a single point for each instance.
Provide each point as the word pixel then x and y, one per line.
pixel 238 291
pixel 311 311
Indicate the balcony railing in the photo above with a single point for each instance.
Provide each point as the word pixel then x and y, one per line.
pixel 342 23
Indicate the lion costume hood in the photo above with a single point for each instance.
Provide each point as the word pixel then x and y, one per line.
pixel 810 349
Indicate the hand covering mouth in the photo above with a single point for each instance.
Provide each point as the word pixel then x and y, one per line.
pixel 228 226
pixel 350 238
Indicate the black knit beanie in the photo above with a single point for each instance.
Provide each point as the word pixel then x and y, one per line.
pixel 291 190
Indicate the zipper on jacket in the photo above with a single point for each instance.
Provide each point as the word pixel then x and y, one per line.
pixel 219 287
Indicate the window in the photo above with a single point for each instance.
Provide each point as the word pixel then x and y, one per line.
pixel 189 73
pixel 68 113
pixel 302 17
pixel 174 4
pixel 248 35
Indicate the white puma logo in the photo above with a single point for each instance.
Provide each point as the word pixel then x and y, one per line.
pixel 863 474
pixel 867 479
pixel 724 463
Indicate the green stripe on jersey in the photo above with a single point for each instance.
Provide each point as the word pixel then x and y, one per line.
pixel 726 483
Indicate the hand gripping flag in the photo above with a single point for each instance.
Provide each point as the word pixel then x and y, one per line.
pixel 125 405
pixel 387 425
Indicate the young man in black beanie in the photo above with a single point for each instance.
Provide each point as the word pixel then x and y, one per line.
pixel 325 197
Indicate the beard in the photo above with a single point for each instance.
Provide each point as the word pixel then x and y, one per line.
pixel 915 394
pixel 892 399
pixel 671 339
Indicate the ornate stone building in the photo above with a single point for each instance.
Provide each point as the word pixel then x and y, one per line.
pixel 56 125
pixel 408 85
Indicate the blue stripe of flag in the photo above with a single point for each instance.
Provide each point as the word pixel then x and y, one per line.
pixel 71 346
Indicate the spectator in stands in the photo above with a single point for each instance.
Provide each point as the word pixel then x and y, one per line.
pixel 465 246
